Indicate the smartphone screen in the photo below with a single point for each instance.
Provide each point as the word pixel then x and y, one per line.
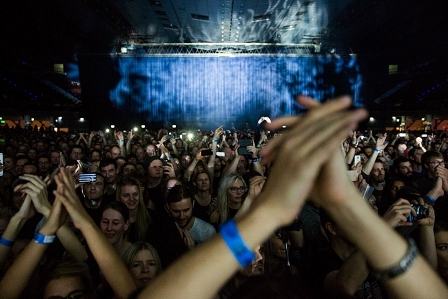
pixel 1 162
pixel 208 152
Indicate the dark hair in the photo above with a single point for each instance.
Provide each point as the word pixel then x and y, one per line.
pixel 398 161
pixel 119 207
pixel 108 161
pixel 177 193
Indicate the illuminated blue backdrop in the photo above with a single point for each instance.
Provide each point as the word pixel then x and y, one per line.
pixel 211 91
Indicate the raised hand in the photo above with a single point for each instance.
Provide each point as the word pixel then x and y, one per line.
pixel 398 213
pixel 312 139
pixel 36 189
pixel 66 193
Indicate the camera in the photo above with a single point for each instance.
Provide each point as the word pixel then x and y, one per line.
pixel 421 212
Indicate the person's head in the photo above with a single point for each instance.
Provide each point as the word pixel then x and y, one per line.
pixel 415 155
pixel 21 160
pixel 229 153
pixel 9 163
pixel 364 158
pixel 441 239
pixel 235 188
pixel 155 168
pixel 114 221
pixel 32 153
pixel 230 194
pixel 395 185
pixel 185 160
pixel 140 154
pixel 401 147
pixel 76 153
pixel 55 157
pixel 170 183
pixel 95 190
pixel 40 146
pixel 390 150
pixel 120 162
pixel 150 150
pixel 432 160
pixel 68 279
pixel 241 168
pixel 129 193
pixel 43 162
pixel 367 150
pixel 143 262
pixel 202 182
pixel 95 155
pixel 115 151
pixel 378 173
pixel 128 168
pixel 109 169
pixel 29 168
pixel 179 205
pixel 402 166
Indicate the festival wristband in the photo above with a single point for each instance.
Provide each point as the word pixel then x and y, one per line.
pixel 6 243
pixel 42 239
pixel 229 232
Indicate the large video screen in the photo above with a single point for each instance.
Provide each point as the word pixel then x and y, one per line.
pixel 206 92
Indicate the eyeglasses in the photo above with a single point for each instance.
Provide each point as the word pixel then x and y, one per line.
pixel 43 163
pixel 437 162
pixel 77 294
pixel 235 189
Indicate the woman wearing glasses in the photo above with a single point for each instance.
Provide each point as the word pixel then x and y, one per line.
pixel 231 194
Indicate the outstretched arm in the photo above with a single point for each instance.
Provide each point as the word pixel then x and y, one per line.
pixel 319 134
pixel 110 263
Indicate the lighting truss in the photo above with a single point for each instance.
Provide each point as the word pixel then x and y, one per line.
pixel 218 49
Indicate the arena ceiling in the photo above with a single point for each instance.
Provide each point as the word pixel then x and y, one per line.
pixel 409 33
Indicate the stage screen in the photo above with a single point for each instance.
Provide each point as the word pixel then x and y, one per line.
pixel 206 92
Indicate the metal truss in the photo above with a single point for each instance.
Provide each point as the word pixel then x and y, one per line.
pixel 216 49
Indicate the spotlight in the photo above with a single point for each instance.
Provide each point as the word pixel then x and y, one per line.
pixel 190 136
pixel 135 129
pixel 123 50
pixel 32 118
pixel 60 118
pixel 284 127
pixel 112 126
pixel 107 130
pixel 174 126
pixel 81 119
pixel 423 119
pixel 143 126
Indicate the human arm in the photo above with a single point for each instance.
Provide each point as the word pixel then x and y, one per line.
pixel 14 226
pixel 18 275
pixel 231 168
pixel 352 148
pixel 189 171
pixel 128 143
pixel 344 283
pixel 427 242
pixel 212 262
pixel 374 238
pixel 256 165
pixel 120 139
pixel 109 262
pixel 255 187
pixel 37 190
pixel 380 145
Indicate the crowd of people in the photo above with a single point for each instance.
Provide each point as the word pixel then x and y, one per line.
pixel 315 210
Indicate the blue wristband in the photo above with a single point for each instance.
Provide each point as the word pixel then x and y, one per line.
pixel 42 239
pixel 377 150
pixel 255 160
pixel 431 198
pixel 6 243
pixel 215 140
pixel 229 232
